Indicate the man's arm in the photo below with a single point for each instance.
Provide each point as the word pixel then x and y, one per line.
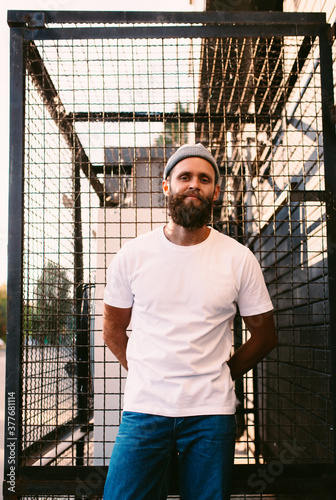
pixel 263 339
pixel 115 323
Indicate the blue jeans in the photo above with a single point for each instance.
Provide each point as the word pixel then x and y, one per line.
pixel 141 460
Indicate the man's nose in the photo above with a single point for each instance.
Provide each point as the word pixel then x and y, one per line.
pixel 194 183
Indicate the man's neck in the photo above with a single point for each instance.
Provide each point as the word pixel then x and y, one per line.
pixel 185 237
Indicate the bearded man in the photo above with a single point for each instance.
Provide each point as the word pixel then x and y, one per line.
pixel 181 284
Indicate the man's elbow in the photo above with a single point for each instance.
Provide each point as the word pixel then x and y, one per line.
pixel 271 334
pixel 272 342
pixel 107 336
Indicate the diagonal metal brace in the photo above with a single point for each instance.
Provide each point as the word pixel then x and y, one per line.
pixel 51 98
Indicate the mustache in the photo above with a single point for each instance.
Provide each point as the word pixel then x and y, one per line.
pixel 194 194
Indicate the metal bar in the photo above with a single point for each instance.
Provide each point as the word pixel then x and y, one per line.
pixel 67 480
pixel 203 99
pixel 224 73
pixel 221 103
pixel 306 195
pixel 282 96
pixel 245 95
pixel 291 479
pixel 51 440
pixel 256 421
pixel 247 479
pixel 150 32
pixel 83 348
pixel 78 285
pixel 269 78
pixel 183 117
pixel 303 52
pixel 56 109
pixel 15 245
pixel 329 143
pixel 212 75
pixel 239 383
pixel 23 17
pixel 74 436
pixel 237 76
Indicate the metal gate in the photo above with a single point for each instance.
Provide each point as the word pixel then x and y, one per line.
pixel 99 101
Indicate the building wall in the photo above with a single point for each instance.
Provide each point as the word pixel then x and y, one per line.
pixel 327 6
pixel 273 202
pixel 294 385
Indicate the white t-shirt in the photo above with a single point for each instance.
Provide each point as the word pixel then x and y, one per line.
pixel 184 299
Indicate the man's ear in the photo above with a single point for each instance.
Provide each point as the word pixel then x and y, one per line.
pixel 165 187
pixel 216 192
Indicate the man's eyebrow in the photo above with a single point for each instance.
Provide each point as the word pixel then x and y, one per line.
pixel 188 172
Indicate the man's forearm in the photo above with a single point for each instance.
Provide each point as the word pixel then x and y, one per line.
pixel 246 357
pixel 118 346
pixel 115 323
pixel 263 340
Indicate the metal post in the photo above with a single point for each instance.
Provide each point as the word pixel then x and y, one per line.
pixel 82 368
pixel 78 278
pixel 13 388
pixel 329 142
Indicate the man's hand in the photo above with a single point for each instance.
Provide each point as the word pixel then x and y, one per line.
pixel 263 340
pixel 115 323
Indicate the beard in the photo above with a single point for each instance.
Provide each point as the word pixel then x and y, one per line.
pixel 190 215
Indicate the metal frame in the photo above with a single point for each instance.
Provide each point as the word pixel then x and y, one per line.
pixel 35 25
pixel 329 138
pixel 12 394
pixel 38 19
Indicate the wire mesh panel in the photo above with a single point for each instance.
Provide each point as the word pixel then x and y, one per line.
pixel 49 393
pixel 275 205
pixel 102 116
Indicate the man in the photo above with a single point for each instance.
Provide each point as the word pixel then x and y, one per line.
pixel 181 284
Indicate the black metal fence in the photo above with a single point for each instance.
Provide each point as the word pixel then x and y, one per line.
pixel 99 101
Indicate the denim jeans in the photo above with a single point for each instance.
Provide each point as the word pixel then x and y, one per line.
pixel 141 459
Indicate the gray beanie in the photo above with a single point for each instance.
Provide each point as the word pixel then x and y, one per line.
pixel 188 151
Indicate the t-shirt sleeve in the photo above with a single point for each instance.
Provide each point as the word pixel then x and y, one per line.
pixel 253 296
pixel 118 291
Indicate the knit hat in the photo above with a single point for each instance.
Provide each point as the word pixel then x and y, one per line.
pixel 188 151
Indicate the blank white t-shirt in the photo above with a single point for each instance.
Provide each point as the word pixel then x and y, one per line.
pixel 183 300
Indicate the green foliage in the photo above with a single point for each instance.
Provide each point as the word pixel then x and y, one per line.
pixel 48 319
pixel 3 311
